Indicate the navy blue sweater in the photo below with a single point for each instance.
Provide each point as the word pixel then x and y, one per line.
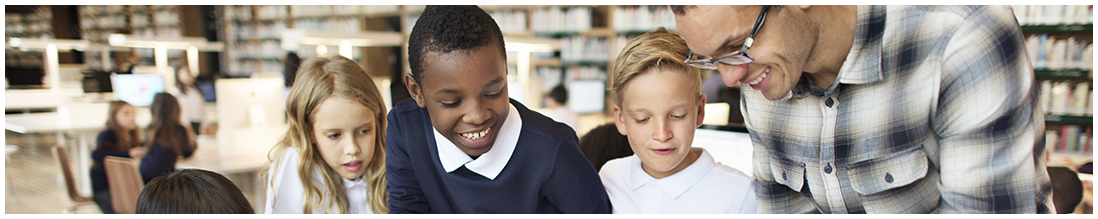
pixel 160 161
pixel 98 171
pixel 547 173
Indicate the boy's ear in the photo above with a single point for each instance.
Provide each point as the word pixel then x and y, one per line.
pixel 414 90
pixel 619 121
pixel 701 111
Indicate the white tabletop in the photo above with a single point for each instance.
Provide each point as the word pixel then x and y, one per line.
pixel 68 117
pixel 236 151
pixel 40 98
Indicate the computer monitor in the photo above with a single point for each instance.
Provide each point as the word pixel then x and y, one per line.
pixel 137 89
pixel 95 81
pixel 728 145
pixel 248 103
pixel 586 96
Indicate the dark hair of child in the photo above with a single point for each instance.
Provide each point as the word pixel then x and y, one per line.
pixel 192 191
pixel 436 31
pixel 604 143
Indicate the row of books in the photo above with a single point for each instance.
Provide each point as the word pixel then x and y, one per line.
pixel 1066 98
pixel 552 76
pixel 1053 14
pixel 343 25
pixel 32 25
pixel 585 49
pixel 1071 139
pixel 510 21
pixel 1050 52
pixel 561 19
pixel 97 10
pixel 642 18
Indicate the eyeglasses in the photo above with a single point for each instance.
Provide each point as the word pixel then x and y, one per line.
pixel 739 57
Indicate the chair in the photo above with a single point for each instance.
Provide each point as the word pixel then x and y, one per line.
pixel 70 181
pixel 125 183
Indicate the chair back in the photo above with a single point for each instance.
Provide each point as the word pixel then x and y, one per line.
pixel 66 170
pixel 125 183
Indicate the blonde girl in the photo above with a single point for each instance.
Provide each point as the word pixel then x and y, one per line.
pixel 334 144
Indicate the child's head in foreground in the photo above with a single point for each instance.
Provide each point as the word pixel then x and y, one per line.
pixel 192 191
pixel 658 101
pixel 459 74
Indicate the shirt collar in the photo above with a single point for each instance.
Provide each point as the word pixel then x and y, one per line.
pixel 675 185
pixel 863 63
pixel 351 183
pixel 488 164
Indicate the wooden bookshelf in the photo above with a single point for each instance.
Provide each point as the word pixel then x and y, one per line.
pixel 1064 74
pixel 1070 120
pixel 1059 28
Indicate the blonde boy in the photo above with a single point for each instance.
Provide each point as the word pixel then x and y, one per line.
pixel 658 105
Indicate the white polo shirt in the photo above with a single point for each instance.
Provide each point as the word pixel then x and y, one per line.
pixel 704 187
pixel 489 164
pixel 286 195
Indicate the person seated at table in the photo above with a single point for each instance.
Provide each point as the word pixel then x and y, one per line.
pixel 332 157
pixel 167 138
pixel 121 138
pixel 192 191
pixel 658 106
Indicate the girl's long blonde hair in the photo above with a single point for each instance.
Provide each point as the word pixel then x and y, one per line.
pixel 318 79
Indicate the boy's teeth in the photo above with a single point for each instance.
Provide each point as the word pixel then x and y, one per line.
pixel 477 135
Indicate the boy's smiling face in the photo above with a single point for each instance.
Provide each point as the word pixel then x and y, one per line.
pixel 465 93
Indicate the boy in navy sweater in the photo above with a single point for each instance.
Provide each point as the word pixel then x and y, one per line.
pixel 462 146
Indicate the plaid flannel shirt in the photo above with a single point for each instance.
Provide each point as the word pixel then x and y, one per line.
pixel 934 111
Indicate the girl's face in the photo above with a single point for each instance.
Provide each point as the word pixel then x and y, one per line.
pixel 126 117
pixel 185 76
pixel 343 133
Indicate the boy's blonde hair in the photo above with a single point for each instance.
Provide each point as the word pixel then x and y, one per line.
pixel 318 79
pixel 657 49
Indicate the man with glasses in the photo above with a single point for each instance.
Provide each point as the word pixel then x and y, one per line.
pixel 880 109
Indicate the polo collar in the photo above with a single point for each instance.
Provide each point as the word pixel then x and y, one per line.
pixel 675 185
pixel 489 164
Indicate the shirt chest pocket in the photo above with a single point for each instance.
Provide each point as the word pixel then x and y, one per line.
pixel 787 172
pixel 888 172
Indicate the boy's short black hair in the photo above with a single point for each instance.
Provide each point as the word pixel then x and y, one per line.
pixel 447 28
pixel 559 94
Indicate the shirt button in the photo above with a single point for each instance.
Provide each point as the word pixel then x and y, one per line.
pixel 827 169
pixel 829 102
pixel 888 177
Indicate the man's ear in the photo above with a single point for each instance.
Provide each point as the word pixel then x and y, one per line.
pixel 619 120
pixel 414 90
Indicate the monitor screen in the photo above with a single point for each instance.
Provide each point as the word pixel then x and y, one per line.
pixel 586 96
pixel 137 89
pixel 730 146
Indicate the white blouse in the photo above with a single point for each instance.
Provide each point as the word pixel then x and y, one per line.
pixel 286 194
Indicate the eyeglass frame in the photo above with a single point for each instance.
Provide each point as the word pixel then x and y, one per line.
pixel 710 64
